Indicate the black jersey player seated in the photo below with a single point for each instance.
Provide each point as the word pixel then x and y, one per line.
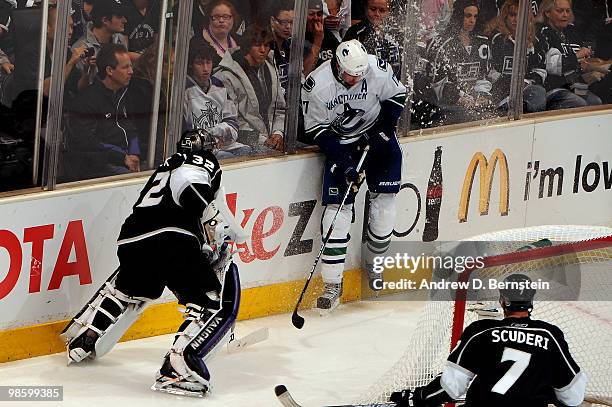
pixel 514 362
pixel 173 238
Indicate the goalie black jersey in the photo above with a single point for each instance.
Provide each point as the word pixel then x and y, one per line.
pixel 174 198
pixel 513 362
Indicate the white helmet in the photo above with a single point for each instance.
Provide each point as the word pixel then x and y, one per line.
pixel 352 58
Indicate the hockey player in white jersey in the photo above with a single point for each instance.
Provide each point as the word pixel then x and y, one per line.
pixel 348 102
pixel 173 238
pixel 207 105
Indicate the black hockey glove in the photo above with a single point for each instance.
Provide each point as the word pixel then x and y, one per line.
pixel 408 398
pixel 355 177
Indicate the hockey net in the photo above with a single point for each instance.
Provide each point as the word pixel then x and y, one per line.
pixel 587 325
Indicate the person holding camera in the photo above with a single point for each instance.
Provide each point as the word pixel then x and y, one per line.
pixel 103 139
pixel 108 26
pixel 565 51
pixel 74 78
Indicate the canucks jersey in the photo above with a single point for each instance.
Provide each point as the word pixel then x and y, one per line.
pixel 347 113
pixel 174 198
pixel 513 362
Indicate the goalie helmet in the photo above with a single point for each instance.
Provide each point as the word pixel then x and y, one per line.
pixel 196 140
pixel 352 58
pixel 517 295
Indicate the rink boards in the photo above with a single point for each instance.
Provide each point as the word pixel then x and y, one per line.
pixel 57 247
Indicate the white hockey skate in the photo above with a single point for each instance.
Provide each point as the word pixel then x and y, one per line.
pixel 168 380
pixel 330 299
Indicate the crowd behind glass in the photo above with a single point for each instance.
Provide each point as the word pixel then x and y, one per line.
pixel 238 64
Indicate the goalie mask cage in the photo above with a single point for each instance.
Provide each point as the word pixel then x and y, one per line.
pixel 587 325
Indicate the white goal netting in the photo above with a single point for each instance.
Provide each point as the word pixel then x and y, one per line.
pixel 587 325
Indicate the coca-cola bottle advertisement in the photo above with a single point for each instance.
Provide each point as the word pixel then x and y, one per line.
pixel 433 199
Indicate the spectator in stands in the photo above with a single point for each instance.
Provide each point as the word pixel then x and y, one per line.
pixel 103 140
pixel 87 10
pixel 564 50
pixel 78 21
pixel 281 22
pixel 488 10
pixel 459 65
pixel 141 100
pixel 142 25
pixel 108 26
pixel 502 32
pixel 435 15
pixel 377 37
pixel 337 17
pixel 252 83
pixel 5 63
pixel 207 105
pixel 197 15
pixel 72 76
pixel 24 77
pixel 219 23
pixel 320 44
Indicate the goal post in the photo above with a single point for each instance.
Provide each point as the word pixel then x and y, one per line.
pixel 586 319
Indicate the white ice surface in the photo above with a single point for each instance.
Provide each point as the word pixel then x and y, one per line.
pixel 330 361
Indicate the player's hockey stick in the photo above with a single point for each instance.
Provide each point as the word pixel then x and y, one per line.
pixel 286 400
pixel 296 319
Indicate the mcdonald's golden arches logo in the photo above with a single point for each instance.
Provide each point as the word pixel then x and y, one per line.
pixel 487 173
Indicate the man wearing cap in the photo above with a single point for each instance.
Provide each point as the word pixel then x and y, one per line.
pixel 320 43
pixel 107 26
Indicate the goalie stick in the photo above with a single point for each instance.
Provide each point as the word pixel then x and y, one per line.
pixel 286 400
pixel 237 344
pixel 296 319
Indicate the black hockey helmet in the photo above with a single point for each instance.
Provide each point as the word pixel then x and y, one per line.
pixel 517 294
pixel 196 140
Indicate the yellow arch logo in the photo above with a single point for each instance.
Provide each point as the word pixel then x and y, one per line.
pixel 487 172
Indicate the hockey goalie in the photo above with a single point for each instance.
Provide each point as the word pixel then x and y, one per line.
pixel 177 236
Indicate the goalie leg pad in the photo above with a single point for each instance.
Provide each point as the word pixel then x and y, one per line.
pixel 101 322
pixel 204 331
pixel 334 255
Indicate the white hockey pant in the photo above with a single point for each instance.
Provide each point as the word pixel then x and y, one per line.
pixel 381 220
pixel 334 255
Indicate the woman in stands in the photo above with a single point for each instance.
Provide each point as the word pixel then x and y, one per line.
pixel 502 32
pixel 564 50
pixel 459 65
pixel 218 28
